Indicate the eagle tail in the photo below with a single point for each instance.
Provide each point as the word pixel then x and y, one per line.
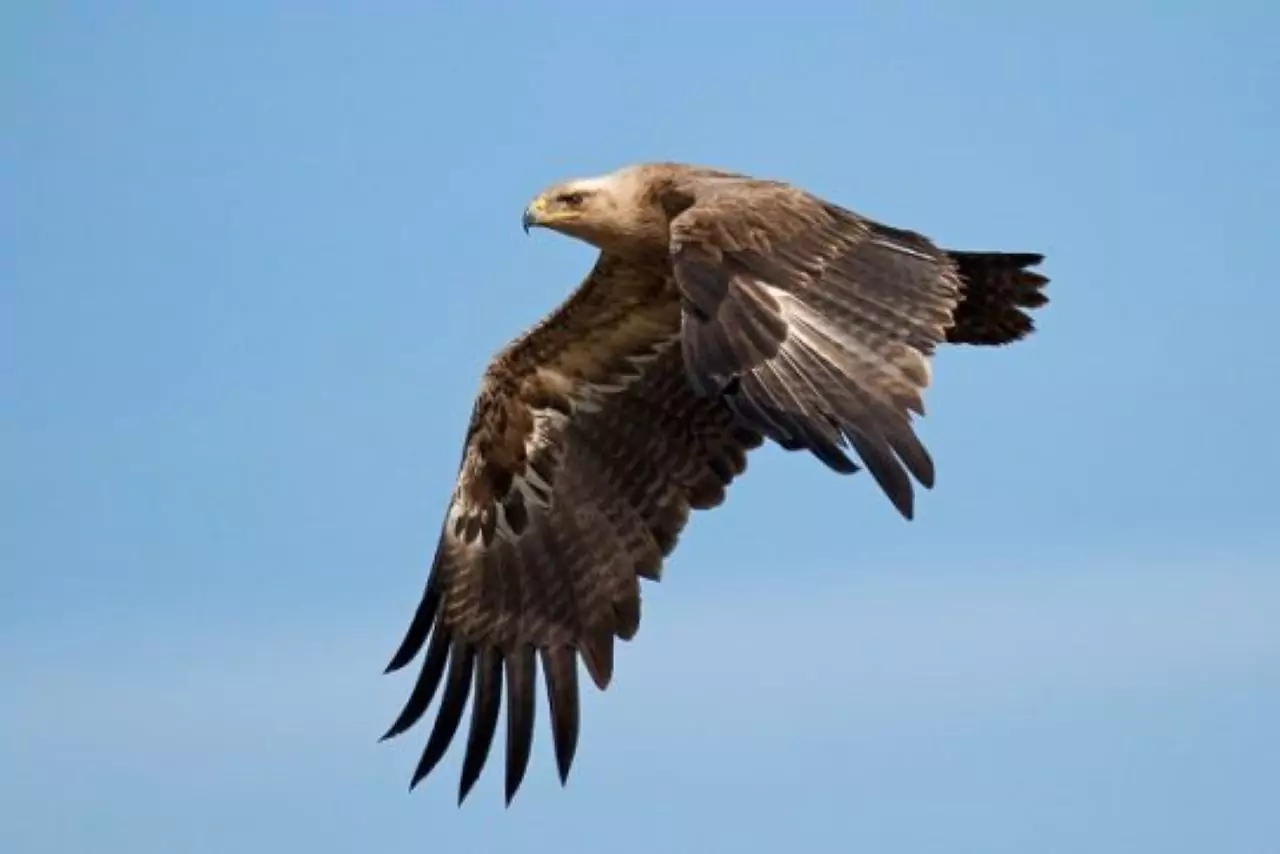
pixel 999 293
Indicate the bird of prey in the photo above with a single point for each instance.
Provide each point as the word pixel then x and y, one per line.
pixel 722 310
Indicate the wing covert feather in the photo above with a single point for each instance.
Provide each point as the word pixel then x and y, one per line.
pixel 815 323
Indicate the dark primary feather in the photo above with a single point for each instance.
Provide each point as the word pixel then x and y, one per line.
pixel 999 293
pixel 815 322
pixel 510 595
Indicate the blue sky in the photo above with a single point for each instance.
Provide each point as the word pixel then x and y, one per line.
pixel 256 255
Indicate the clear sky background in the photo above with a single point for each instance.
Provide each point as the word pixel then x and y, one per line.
pixel 254 257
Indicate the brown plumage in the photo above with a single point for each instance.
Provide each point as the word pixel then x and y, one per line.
pixel 722 310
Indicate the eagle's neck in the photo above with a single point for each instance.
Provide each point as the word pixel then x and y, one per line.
pixel 653 260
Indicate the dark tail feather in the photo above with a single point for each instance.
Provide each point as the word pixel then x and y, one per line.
pixel 999 291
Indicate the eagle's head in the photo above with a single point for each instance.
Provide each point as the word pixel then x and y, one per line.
pixel 613 212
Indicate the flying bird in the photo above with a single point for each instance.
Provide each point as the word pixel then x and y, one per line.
pixel 722 311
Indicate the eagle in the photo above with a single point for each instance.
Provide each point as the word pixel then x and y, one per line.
pixel 723 310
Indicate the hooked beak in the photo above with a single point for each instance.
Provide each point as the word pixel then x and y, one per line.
pixel 532 216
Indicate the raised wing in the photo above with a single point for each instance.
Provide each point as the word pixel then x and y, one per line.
pixel 816 324
pixel 585 453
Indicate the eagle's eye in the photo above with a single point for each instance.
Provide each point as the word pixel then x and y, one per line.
pixel 571 200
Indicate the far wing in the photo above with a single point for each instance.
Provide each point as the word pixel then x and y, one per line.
pixel 586 451
pixel 817 324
